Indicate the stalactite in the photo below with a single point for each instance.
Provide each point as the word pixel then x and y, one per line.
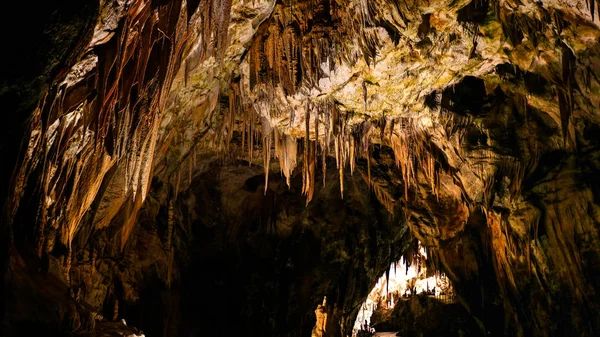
pixel 403 157
pixel 341 170
pixel 308 171
pixel 500 248
pixel 324 163
pixel 115 315
pixel 381 193
pixel 286 151
pixel 231 118
pixel 337 152
pixel 312 159
pixel 305 150
pixel 565 95
pixel 251 141
pixel 68 263
pixel 387 283
pixel 194 157
pixel 351 155
pixel 278 143
pixel 326 142
pixel 317 114
pixel 364 92
pixel 244 128
pixel 431 172
pixel 369 167
pixel 311 171
pixel 267 136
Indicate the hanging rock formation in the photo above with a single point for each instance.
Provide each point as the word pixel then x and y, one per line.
pixel 162 158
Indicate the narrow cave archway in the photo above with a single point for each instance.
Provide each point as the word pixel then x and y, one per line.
pixel 409 291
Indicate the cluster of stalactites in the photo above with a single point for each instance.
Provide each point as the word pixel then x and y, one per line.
pixel 412 150
pixel 104 117
pixel 213 22
pixel 301 42
pixel 329 132
pixel 290 55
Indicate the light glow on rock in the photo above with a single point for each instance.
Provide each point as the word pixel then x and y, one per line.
pixel 403 282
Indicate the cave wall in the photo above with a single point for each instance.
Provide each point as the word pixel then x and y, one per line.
pixel 84 94
pixel 522 250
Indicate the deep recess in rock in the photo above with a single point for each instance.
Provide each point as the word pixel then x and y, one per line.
pixel 401 287
pixel 219 167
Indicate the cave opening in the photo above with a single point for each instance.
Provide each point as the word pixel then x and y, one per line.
pixel 403 298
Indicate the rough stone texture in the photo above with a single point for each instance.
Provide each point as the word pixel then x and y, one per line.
pixel 426 316
pixel 143 150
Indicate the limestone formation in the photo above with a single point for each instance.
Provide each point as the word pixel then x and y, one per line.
pixel 218 167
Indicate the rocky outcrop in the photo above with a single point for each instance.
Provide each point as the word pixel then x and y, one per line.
pixel 473 124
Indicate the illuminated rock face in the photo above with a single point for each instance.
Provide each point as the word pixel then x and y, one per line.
pixel 400 282
pixel 321 316
pixel 148 141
